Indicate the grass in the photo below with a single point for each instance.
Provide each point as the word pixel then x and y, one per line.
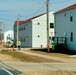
pixel 62 55
pixel 25 57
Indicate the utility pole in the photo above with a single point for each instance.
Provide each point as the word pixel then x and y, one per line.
pixel 1 32
pixel 47 11
pixel 17 30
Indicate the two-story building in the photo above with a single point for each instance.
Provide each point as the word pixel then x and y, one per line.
pixel 65 25
pixel 8 36
pixel 33 32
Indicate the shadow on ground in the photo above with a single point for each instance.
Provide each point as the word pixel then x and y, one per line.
pixel 59 49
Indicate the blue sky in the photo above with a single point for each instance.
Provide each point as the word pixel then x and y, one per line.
pixel 9 9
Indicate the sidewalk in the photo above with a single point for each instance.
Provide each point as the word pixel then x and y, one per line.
pixel 66 60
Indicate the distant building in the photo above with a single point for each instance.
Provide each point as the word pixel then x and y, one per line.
pixel 65 25
pixel 33 32
pixel 8 36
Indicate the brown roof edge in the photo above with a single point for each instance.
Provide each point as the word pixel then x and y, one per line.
pixel 28 20
pixel 18 22
pixel 67 8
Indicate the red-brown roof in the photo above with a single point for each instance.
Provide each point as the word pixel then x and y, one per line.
pixel 67 8
pixel 21 22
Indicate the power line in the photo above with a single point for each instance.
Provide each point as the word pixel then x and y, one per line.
pixel 44 8
pixel 37 10
pixel 41 8
pixel 34 12
pixel 40 11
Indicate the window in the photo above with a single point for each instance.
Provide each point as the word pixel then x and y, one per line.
pixel 71 38
pixel 26 36
pixel 51 25
pixel 38 36
pixel 50 38
pixel 38 23
pixel 24 40
pixel 24 28
pixel 65 14
pixel 53 38
pixel 71 16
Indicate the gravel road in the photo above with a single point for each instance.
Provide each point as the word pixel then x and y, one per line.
pixel 26 68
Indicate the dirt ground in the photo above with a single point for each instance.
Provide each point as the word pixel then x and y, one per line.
pixel 5 57
pixel 52 73
pixel 17 56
